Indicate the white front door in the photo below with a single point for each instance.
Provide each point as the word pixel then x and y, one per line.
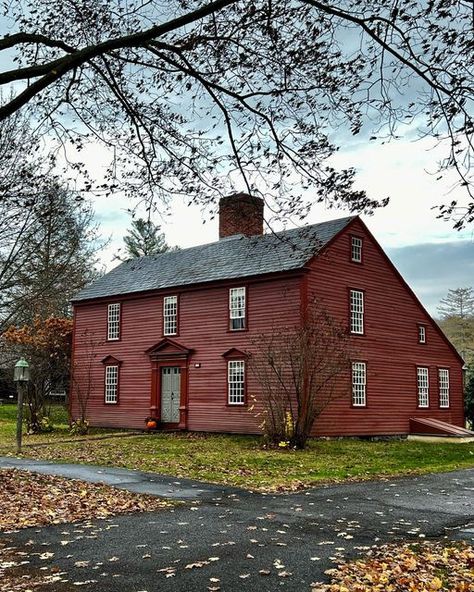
pixel 170 394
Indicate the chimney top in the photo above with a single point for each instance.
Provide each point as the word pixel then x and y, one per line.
pixel 240 213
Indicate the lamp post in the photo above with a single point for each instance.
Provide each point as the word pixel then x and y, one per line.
pixel 21 375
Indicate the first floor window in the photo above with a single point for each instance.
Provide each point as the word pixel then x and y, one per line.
pixel 357 312
pixel 356 249
pixel 113 322
pixel 237 309
pixel 443 377
pixel 236 382
pixel 359 383
pixel 111 384
pixel 170 315
pixel 423 387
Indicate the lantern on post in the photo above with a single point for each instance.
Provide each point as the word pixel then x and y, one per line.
pixel 21 376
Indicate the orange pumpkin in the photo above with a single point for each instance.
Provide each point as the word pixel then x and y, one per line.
pixel 151 424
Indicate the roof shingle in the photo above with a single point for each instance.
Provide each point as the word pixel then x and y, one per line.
pixel 230 258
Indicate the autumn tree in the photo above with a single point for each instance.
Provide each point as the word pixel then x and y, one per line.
pixel 297 368
pixel 190 97
pixel 457 320
pixel 46 344
pixel 144 238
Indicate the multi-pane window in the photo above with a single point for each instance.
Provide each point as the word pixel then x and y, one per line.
pixel 443 377
pixel 111 384
pixel 170 315
pixel 359 383
pixel 356 249
pixel 236 382
pixel 357 311
pixel 421 334
pixel 423 387
pixel 113 321
pixel 237 309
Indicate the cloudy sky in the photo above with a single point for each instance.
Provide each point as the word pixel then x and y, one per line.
pixel 428 252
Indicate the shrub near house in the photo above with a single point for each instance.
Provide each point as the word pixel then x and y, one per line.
pixel 175 331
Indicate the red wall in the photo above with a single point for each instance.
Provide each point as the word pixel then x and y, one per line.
pixel 203 321
pixel 389 347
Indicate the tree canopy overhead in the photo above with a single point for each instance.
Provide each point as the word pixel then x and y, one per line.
pixel 189 94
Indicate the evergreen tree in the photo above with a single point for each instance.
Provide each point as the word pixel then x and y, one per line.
pixel 145 238
pixel 457 303
pixel 469 398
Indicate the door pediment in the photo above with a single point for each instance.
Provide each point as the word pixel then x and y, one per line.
pixel 167 348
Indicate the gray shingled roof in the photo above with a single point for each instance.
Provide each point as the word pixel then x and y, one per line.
pixel 230 258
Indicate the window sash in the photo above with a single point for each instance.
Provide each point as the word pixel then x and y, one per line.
pixel 111 384
pixel 236 382
pixel 170 315
pixel 421 334
pixel 443 377
pixel 357 311
pixel 237 305
pixel 359 384
pixel 423 387
pixel 113 322
pixel 356 249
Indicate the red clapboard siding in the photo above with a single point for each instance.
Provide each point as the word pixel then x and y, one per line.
pixel 203 327
pixel 389 347
pixel 390 344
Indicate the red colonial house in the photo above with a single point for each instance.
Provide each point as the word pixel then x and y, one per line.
pixel 167 335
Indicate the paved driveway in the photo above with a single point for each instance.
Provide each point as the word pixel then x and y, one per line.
pixel 231 539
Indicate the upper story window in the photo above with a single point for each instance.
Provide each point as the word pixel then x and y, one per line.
pixel 237 306
pixel 443 379
pixel 113 322
pixel 111 384
pixel 236 382
pixel 423 387
pixel 357 312
pixel 421 334
pixel 356 249
pixel 359 383
pixel 170 315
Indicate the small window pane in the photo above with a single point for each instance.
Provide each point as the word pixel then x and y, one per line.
pixel 359 382
pixel 423 387
pixel 443 376
pixel 357 312
pixel 113 322
pixel 111 384
pixel 421 334
pixel 237 308
pixel 356 249
pixel 170 315
pixel 236 382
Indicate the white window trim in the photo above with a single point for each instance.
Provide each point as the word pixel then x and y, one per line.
pixel 357 311
pixel 443 383
pixel 111 384
pixel 356 249
pixel 236 310
pixel 113 321
pixel 423 386
pixel 232 390
pixel 170 315
pixel 359 387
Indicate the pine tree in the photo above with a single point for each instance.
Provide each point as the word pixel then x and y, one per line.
pixel 145 238
pixel 458 303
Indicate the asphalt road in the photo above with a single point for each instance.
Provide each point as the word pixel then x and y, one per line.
pixel 234 540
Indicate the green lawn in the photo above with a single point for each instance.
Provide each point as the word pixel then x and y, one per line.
pixel 58 416
pixel 239 460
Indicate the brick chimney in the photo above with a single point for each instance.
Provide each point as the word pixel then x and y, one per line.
pixel 240 213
